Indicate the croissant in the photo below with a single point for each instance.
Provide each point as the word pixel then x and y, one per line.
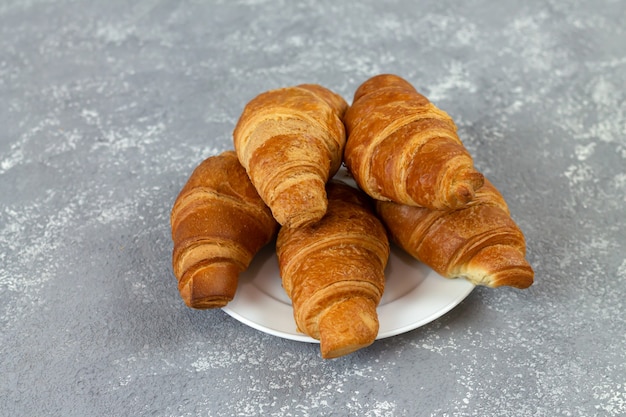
pixel 333 271
pixel 219 223
pixel 402 148
pixel 479 241
pixel 291 142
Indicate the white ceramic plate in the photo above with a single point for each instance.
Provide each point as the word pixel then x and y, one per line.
pixel 414 296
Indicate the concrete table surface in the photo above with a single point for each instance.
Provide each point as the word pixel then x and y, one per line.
pixel 106 107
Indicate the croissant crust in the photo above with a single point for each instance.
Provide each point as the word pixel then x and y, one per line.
pixel 333 271
pixel 291 141
pixel 402 148
pixel 218 223
pixel 479 241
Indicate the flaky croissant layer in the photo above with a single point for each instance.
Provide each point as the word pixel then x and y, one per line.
pixel 218 223
pixel 479 241
pixel 402 148
pixel 333 245
pixel 333 271
pixel 291 141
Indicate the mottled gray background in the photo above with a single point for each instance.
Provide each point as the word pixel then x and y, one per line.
pixel 106 107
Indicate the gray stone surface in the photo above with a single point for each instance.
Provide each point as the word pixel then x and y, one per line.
pixel 106 107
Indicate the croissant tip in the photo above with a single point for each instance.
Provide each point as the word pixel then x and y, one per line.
pixel 348 326
pixel 303 219
pixel 303 204
pixel 516 276
pixel 518 279
pixel 462 195
pixel 500 265
pixel 207 303
pixel 466 185
pixel 209 286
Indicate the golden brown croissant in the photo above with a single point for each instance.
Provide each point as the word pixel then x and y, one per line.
pixel 333 271
pixel 479 241
pixel 219 223
pixel 402 148
pixel 291 142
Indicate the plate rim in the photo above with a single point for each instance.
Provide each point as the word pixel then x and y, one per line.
pixel 462 289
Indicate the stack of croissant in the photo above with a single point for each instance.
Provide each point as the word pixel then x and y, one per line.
pixel 416 187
